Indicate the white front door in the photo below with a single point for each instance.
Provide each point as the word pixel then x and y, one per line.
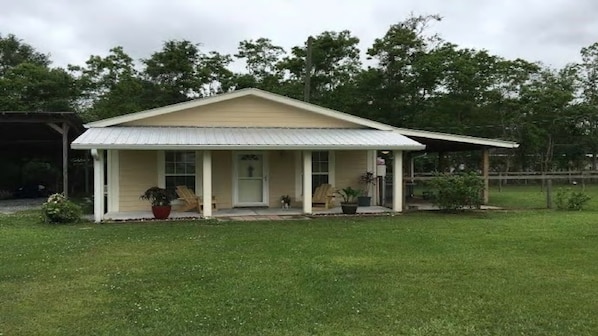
pixel 250 179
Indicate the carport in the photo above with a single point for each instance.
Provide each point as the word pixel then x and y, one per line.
pixel 39 135
pixel 443 143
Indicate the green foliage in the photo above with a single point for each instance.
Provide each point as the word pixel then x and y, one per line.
pixel 349 194
pixel 59 210
pixel 567 199
pixel 458 191
pixel 157 196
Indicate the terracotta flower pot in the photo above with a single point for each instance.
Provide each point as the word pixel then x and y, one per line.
pixel 161 211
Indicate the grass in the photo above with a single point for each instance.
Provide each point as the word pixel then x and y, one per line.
pixel 526 273
pixel 534 197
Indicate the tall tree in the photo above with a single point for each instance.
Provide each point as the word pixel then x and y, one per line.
pixel 588 111
pixel 335 64
pixel 398 94
pixel 28 83
pixel 261 59
pixel 181 71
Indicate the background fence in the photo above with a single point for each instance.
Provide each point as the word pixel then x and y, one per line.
pixel 517 190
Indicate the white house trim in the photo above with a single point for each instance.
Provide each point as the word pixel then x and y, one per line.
pixel 298 175
pixel 113 180
pixel 98 184
pixel 237 94
pixel 207 183
pixel 457 138
pixel 307 182
pixel 397 181
pixel 161 169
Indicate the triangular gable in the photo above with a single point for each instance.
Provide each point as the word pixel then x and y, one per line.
pixel 220 111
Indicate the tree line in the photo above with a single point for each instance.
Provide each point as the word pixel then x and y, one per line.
pixel 411 78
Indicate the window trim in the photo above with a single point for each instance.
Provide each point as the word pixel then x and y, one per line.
pixel 198 170
pixel 299 171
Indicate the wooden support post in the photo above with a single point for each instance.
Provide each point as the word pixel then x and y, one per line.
pixel 65 159
pixel 441 162
pixel 486 174
pixel 64 131
pixel 549 194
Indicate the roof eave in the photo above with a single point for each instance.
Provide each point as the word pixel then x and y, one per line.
pixel 414 147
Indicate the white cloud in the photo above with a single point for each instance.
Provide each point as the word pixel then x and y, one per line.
pixel 71 30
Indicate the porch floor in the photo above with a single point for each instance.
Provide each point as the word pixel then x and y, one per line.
pixel 242 213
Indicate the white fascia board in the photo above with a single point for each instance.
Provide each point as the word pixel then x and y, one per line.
pixel 253 147
pixel 457 138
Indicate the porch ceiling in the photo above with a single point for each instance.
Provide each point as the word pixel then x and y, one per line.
pixel 199 138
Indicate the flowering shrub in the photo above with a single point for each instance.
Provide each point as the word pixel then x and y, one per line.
pixel 58 209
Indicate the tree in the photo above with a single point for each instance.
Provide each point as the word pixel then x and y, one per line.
pixel 587 116
pixel 399 94
pixel 261 59
pixel 14 51
pixel 27 83
pixel 181 72
pixel 335 64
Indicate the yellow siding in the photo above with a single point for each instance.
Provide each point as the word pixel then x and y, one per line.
pixel 138 171
pixel 222 176
pixel 244 112
pixel 282 176
pixel 350 165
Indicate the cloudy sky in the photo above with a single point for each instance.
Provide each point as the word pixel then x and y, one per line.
pixel 550 31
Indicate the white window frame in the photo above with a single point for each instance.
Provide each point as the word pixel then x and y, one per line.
pixel 198 170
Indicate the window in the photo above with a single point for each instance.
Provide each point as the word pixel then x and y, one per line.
pixel 179 169
pixel 319 169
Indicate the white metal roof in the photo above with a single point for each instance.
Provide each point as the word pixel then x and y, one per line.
pixel 238 94
pixel 241 138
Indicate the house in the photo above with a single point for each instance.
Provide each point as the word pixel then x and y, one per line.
pixel 248 148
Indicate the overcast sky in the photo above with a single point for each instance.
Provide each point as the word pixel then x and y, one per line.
pixel 550 31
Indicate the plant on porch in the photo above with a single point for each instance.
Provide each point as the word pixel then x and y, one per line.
pixel 349 203
pixel 160 200
pixel 367 179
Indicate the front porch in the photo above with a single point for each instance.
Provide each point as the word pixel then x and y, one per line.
pixel 244 213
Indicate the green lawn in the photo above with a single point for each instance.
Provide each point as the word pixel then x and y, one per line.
pixel 534 197
pixel 516 273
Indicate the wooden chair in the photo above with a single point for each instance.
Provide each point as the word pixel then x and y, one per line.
pixel 192 201
pixel 324 194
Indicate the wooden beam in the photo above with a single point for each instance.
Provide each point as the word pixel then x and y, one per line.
pixel 56 128
pixel 65 159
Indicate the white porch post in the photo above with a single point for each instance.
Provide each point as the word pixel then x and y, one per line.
pixel 397 181
pixel 207 183
pixel 98 184
pixel 307 182
pixel 113 173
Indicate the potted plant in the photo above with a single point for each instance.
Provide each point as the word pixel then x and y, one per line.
pixel 349 203
pixel 160 200
pixel 368 179
pixel 285 200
